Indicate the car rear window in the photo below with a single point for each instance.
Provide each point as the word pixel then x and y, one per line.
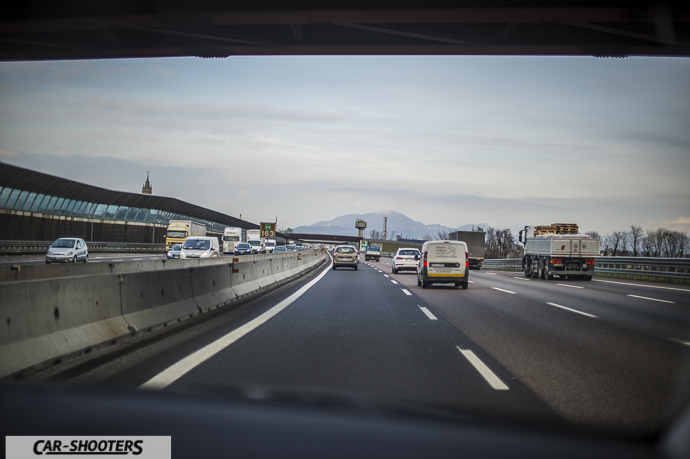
pixel 408 252
pixel 345 250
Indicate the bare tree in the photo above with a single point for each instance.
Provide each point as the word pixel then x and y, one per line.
pixel 636 235
pixel 615 241
pixel 427 237
pixel 391 236
pixel 373 234
pixel 442 235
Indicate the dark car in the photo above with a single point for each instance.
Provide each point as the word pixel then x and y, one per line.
pixel 174 252
pixel 243 248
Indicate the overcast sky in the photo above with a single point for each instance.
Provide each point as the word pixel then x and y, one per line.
pixel 450 140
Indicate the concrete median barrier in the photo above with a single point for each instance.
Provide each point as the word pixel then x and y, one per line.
pixel 83 308
pixel 48 320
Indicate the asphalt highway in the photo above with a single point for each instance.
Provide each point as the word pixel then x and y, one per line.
pixel 612 355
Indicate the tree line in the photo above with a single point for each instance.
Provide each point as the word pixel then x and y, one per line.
pixel 638 242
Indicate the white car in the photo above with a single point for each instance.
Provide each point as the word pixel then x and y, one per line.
pixel 406 259
pixel 200 247
pixel 67 250
pixel 256 246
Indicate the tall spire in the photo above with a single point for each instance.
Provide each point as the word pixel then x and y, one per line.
pixel 147 188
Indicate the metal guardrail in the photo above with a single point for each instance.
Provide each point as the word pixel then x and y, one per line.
pixel 22 247
pixel 662 268
pixel 670 268
pixel 503 264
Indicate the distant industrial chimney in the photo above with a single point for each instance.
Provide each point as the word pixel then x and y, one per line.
pixel 147 188
pixel 385 228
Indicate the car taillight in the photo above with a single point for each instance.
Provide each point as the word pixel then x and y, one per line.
pixel 467 258
pixel 399 258
pixel 425 258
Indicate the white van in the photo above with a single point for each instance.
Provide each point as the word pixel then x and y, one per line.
pixel 444 262
pixel 200 247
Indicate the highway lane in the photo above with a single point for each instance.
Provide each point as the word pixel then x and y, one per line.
pixel 352 331
pixel 595 354
pixel 373 332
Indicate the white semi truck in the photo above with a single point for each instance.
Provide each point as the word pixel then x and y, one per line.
pixel 231 237
pixel 558 250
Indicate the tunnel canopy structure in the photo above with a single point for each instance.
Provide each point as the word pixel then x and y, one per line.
pixel 24 190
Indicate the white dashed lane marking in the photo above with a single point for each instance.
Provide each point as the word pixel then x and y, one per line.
pixel 483 370
pixel 652 299
pixel 427 312
pixel 502 290
pixel 571 310
pixel 394 282
pixel 687 343
pixel 386 275
pixel 406 292
pixel 571 286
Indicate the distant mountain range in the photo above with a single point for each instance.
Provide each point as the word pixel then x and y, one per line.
pixel 400 223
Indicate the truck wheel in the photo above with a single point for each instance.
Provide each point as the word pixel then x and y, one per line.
pixel 548 275
pixel 418 281
pixel 534 272
pixel 466 285
pixel 540 273
pixel 424 284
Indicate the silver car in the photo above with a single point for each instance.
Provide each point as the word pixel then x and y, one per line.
pixel 67 250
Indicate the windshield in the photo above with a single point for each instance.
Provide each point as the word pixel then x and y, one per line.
pixel 64 243
pixel 196 244
pixel 567 175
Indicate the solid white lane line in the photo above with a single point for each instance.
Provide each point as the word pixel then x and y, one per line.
pixel 427 312
pixel 522 278
pixel 386 275
pixel 483 370
pixel 394 281
pixel 406 292
pixel 571 286
pixel 572 310
pixel 176 371
pixel 471 282
pixel 642 285
pixel 652 299
pixel 501 290
pixel 490 274
pixel 120 259
pixel 137 259
pixel 687 343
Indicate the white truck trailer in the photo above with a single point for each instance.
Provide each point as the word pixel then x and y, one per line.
pixel 254 239
pixel 558 250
